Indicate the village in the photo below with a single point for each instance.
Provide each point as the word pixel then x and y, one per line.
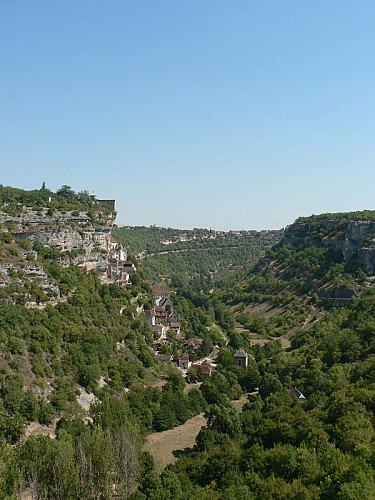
pixel 167 327
pixel 194 362
pixel 166 324
pixel 209 234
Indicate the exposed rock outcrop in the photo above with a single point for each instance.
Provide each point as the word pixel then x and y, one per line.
pixel 80 238
pixel 87 238
pixel 353 239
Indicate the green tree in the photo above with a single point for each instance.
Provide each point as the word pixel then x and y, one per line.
pixel 225 419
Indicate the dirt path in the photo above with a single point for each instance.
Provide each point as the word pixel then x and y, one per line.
pixel 165 446
pixel 309 318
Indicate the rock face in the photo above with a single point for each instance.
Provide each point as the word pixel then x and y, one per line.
pixel 70 238
pixel 86 242
pixel 353 239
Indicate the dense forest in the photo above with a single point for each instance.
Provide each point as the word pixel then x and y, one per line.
pixel 279 446
pixel 197 258
pixel 362 215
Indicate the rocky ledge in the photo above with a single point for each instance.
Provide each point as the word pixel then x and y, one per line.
pixel 354 239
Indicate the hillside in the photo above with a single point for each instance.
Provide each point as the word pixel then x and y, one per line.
pixel 73 333
pixel 352 235
pixel 202 256
pixel 60 325
pixel 307 430
pixel 320 263
pixel 96 357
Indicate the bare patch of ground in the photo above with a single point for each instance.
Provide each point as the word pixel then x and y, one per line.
pixel 85 398
pixel 157 383
pixel 240 329
pixel 189 387
pixel 239 403
pixel 36 429
pixel 259 341
pixel 265 310
pixel 285 342
pixel 27 495
pixel 283 339
pixel 165 446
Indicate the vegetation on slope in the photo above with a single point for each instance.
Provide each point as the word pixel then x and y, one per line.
pixel 15 201
pixel 278 447
pixel 321 446
pixel 289 280
pixel 199 256
pixel 363 215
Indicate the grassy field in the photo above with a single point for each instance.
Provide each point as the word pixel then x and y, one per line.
pixel 166 446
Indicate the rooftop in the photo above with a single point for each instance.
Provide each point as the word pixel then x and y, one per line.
pixel 240 354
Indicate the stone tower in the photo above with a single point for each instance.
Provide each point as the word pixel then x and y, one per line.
pixel 241 358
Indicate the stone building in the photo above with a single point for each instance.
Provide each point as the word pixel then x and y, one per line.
pixel 241 358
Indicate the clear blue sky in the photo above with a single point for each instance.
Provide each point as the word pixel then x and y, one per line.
pixel 192 113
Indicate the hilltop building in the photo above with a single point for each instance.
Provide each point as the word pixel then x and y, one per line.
pixel 109 203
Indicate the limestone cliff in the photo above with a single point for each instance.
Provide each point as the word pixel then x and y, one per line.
pixel 83 240
pixel 78 238
pixel 355 240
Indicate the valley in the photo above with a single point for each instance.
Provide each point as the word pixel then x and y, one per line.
pixel 183 364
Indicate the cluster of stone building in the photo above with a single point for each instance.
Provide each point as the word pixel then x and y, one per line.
pixel 119 269
pixel 209 234
pixel 81 241
pixel 204 367
pixel 162 317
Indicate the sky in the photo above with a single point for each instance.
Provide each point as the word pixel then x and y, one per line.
pixel 230 114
